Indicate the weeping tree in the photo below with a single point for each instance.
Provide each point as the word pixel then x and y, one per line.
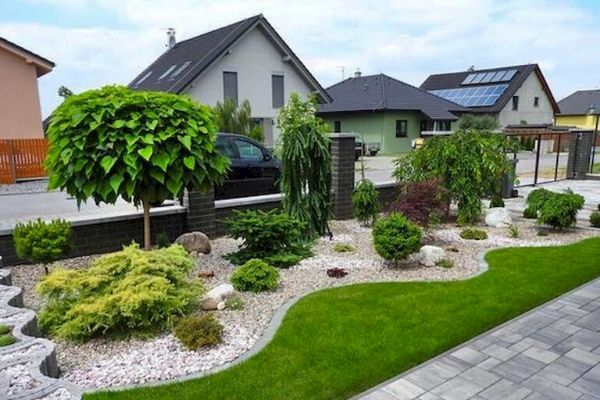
pixel 306 176
pixel 233 119
pixel 145 147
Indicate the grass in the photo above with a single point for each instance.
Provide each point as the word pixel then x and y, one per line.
pixel 339 342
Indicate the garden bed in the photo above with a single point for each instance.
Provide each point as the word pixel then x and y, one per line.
pixel 107 363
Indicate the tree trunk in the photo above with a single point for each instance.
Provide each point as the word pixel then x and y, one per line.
pixel 147 241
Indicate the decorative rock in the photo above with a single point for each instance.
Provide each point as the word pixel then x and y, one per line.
pixel 209 305
pixel 221 305
pixel 206 274
pixel 498 217
pixel 195 242
pixel 429 255
pixel 221 292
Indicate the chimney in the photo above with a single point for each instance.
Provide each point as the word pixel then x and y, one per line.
pixel 172 40
pixel 357 73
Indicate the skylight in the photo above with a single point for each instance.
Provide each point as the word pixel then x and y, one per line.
pixel 167 72
pixel 143 78
pixel 180 69
pixel 503 75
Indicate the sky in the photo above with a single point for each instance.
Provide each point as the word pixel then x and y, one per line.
pixel 100 42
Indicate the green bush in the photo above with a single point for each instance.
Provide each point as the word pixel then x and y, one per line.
pixel 255 276
pixel 595 219
pixel 537 198
pixel 42 242
pixel 234 303
pixel 195 331
pixel 560 210
pixel 130 291
pixel 530 213
pixel 445 263
pixel 473 234
pixel 4 329
pixel 7 340
pixel 273 236
pixel 365 202
pixel 395 237
pixel 513 231
pixel 496 201
pixel 343 248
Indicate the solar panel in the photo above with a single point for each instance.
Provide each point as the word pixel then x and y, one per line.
pixel 468 79
pixel 478 77
pixel 480 96
pixel 488 77
pixel 504 75
pixel 498 76
pixel 509 75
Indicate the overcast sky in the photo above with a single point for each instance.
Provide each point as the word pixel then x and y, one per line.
pixel 99 42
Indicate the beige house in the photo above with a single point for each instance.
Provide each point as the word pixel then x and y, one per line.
pixel 20 113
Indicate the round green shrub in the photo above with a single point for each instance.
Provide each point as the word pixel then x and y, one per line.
pixel 255 276
pixel 473 234
pixel 7 340
pixel 560 210
pixel 395 237
pixel 365 202
pixel 4 329
pixel 530 213
pixel 42 242
pixel 595 219
pixel 496 201
pixel 195 331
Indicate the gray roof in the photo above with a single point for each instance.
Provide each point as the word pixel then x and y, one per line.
pixel 383 93
pixel 454 80
pixel 189 58
pixel 580 102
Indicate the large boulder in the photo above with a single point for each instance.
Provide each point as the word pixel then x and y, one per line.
pixel 195 242
pixel 498 217
pixel 220 293
pixel 430 255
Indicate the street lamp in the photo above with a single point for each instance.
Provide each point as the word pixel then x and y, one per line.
pixel 592 110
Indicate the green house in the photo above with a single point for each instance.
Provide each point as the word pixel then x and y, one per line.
pixel 384 110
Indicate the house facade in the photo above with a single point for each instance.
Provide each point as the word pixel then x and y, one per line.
pixel 580 109
pixel 20 112
pixel 247 60
pixel 383 110
pixel 513 95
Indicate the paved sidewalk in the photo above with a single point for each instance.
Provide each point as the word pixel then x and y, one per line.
pixel 550 353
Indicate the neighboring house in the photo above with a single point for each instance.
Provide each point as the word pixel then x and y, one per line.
pixel 580 109
pixel 387 111
pixel 20 112
pixel 247 60
pixel 512 95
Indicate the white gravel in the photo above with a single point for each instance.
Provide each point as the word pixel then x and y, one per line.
pixel 107 363
pixel 19 378
pixel 34 186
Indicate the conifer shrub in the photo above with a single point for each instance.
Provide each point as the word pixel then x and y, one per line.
pixel 395 237
pixel 255 276
pixel 365 202
pixel 197 331
pixel 473 234
pixel 595 219
pixel 42 242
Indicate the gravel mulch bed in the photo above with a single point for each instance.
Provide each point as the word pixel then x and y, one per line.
pixel 106 363
pixel 35 186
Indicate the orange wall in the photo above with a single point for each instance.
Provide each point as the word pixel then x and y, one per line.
pixel 20 113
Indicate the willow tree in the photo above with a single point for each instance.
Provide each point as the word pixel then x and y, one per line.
pixel 233 119
pixel 306 175
pixel 144 147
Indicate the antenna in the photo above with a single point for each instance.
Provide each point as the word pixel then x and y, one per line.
pixel 171 35
pixel 343 71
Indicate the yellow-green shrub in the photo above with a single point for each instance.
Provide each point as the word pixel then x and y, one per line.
pixel 195 331
pixel 128 291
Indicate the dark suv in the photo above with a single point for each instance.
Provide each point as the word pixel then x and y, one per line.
pixel 253 170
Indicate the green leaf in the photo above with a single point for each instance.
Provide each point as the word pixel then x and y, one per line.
pixel 118 124
pixel 152 124
pixel 148 138
pixel 131 139
pixel 156 174
pixel 115 182
pixel 107 163
pixel 162 160
pixel 146 152
pixel 189 162
pixel 186 141
pixel 174 186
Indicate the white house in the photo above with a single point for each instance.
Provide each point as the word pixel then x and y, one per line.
pixel 513 95
pixel 247 60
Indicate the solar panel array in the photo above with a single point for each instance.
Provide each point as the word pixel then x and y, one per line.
pixel 476 78
pixel 480 96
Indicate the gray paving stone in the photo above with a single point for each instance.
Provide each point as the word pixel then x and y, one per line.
pixel 583 339
pixel 589 382
pixel 480 377
pixel 550 336
pixel 520 346
pixel 590 321
pixel 563 371
pixel 518 368
pixel 542 355
pixel 585 357
pixel 457 388
pixel 403 389
pixel 469 355
pixel 489 363
pixel 551 390
pixel 505 390
pixel 501 353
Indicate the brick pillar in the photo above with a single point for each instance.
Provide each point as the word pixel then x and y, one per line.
pixel 200 211
pixel 580 153
pixel 342 174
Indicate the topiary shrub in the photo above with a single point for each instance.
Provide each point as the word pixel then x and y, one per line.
pixel 560 210
pixel 128 291
pixel 473 234
pixel 537 198
pixel 255 276
pixel 196 331
pixel 496 201
pixel 42 242
pixel 395 237
pixel 530 213
pixel 423 202
pixel 595 219
pixel 273 236
pixel 365 202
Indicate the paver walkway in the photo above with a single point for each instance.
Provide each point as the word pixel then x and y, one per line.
pixel 550 353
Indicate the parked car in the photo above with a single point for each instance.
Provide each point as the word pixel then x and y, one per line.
pixel 361 148
pixel 254 170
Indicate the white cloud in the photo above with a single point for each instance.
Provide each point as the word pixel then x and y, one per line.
pixel 407 39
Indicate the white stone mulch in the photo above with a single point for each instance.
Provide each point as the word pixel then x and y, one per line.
pixel 107 363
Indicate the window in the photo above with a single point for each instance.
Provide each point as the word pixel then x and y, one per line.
pixel 144 77
pixel 248 151
pixel 224 147
pixel 230 86
pixel 515 103
pixel 337 126
pixel 401 125
pixel 536 101
pixel 443 125
pixel 180 69
pixel 167 72
pixel 277 90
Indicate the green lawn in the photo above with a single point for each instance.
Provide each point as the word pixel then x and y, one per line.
pixel 339 342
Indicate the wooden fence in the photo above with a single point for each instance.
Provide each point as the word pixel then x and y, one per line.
pixel 22 159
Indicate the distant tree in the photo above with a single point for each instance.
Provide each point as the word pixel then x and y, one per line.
pixel 145 147
pixel 233 119
pixel 479 123
pixel 64 92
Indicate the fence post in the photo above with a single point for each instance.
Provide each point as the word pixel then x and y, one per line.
pixel 342 174
pixel 200 214
pixel 580 152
